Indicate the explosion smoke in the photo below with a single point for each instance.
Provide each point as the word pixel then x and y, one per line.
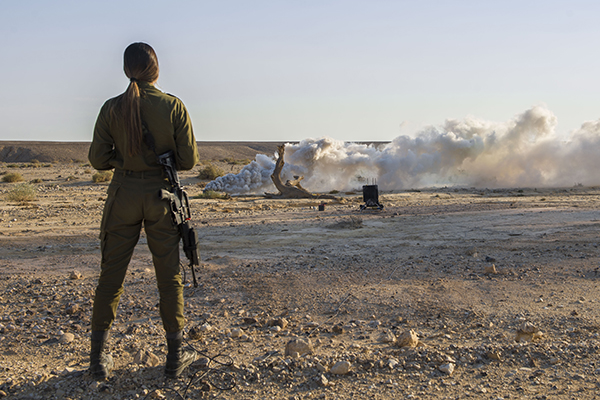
pixel 471 152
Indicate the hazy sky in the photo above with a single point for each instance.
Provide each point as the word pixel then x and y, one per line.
pixel 286 70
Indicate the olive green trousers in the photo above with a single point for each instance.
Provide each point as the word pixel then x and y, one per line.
pixel 133 199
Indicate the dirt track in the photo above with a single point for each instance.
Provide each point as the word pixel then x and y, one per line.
pixel 350 282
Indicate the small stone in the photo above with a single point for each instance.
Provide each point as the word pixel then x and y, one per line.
pixel 391 363
pixel 528 333
pixel 66 338
pixel 447 368
pixel 236 333
pixel 408 339
pixel 299 346
pixel 387 337
pixel 280 322
pixel 321 367
pixel 528 327
pixel 322 380
pixel 339 329
pixel 490 269
pixel 374 324
pixel 341 368
pixel 195 333
pixel 147 358
pixel 73 309
pixel 75 275
pixel 472 252
pixel 251 321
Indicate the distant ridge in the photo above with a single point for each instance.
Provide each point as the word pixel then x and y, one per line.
pixel 49 152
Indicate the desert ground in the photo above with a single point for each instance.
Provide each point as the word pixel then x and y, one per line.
pixel 446 293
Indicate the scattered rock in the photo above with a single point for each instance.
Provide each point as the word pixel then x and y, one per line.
pixel 408 339
pixel 387 337
pixel 144 357
pixel 528 333
pixel 448 368
pixel 66 338
pixel 321 367
pixel 299 346
pixel 280 322
pixel 236 333
pixel 341 368
pixel 75 275
pixel 322 380
pixel 195 333
pixel 490 269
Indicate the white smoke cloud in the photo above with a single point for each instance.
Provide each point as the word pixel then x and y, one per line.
pixel 521 152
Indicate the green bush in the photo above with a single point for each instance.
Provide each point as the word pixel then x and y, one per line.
pixel 210 172
pixel 103 176
pixel 12 177
pixel 22 193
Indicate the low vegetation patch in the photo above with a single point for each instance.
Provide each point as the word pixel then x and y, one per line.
pixel 22 193
pixel 12 177
pixel 211 172
pixel 211 194
pixel 233 161
pixel 102 176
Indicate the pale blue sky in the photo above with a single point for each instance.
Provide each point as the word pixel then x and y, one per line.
pixel 287 70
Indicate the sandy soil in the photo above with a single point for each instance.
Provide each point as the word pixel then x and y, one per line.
pixel 468 271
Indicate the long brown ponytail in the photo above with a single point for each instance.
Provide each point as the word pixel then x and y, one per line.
pixel 139 64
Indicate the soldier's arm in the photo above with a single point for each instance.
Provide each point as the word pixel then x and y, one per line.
pixel 187 151
pixel 102 149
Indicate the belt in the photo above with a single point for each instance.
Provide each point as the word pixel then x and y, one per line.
pixel 153 173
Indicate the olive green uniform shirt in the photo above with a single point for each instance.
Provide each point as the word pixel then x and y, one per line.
pixel 167 120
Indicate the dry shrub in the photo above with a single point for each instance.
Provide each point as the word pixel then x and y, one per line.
pixel 36 180
pixel 210 172
pixel 211 194
pixel 103 176
pixel 22 193
pixel 12 177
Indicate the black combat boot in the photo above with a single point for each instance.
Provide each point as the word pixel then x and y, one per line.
pixel 177 357
pixel 101 363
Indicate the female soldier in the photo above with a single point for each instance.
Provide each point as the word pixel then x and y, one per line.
pixel 130 131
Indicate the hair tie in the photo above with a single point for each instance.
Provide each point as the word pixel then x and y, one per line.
pixel 133 80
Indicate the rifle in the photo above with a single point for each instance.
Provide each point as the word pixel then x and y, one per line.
pixel 180 211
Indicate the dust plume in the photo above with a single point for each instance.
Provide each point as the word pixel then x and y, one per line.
pixel 521 152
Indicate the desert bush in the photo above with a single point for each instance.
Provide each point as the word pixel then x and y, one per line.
pixel 12 166
pixel 102 176
pixel 71 178
pixel 87 171
pixel 210 172
pixel 36 180
pixel 211 194
pixel 22 193
pixel 233 161
pixel 12 177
